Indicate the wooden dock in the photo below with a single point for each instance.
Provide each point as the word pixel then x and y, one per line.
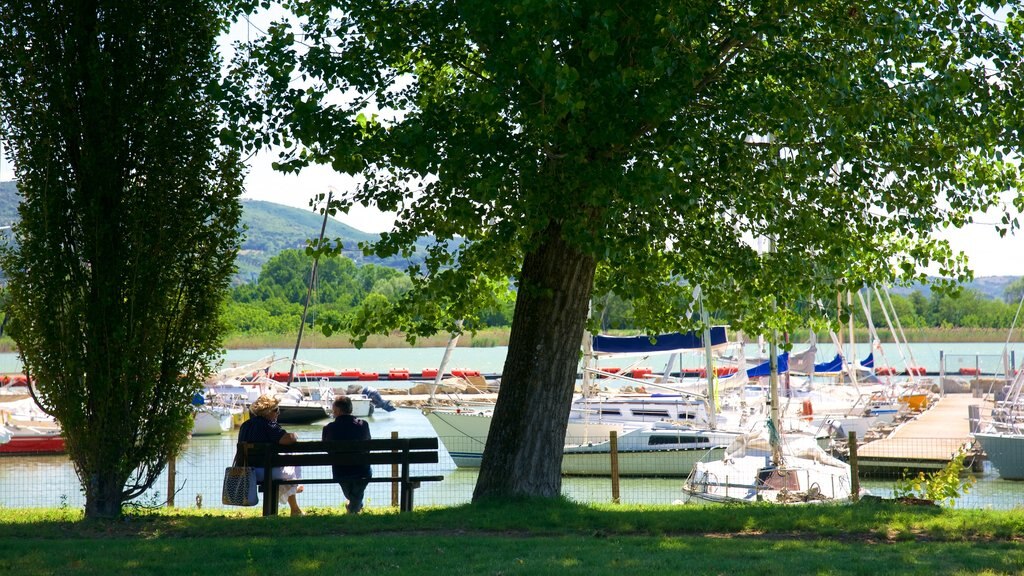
pixel 927 442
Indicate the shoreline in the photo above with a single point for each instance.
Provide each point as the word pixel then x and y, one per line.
pixel 493 337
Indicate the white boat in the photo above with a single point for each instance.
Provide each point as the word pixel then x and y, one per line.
pixel 464 430
pixel 769 466
pixel 658 434
pixel 211 420
pixel 746 473
pixel 657 450
pixel 245 384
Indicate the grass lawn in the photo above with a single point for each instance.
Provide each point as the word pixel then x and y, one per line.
pixel 529 537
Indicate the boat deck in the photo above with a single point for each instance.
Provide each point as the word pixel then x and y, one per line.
pixel 927 442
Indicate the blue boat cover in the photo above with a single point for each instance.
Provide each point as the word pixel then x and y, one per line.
pixel 833 365
pixel 836 364
pixel 663 343
pixel 764 368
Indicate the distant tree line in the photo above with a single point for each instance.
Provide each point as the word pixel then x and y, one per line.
pixel 345 291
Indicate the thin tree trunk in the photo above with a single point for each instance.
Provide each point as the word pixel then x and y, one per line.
pixel 523 455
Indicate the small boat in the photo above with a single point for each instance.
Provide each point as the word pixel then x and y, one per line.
pixel 29 430
pixel 766 466
pixel 31 437
pixel 212 420
pixel 748 472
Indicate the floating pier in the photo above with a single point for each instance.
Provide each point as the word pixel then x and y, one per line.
pixel 927 442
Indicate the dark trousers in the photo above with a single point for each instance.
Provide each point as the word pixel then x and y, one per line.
pixel 353 488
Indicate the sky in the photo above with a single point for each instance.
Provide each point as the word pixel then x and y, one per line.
pixel 988 253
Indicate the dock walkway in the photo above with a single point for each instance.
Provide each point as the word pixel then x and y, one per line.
pixel 927 442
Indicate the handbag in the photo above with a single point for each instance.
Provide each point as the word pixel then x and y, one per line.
pixel 239 485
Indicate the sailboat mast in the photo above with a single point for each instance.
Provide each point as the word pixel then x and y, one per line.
pixel 773 387
pixel 853 341
pixel 309 288
pixel 710 367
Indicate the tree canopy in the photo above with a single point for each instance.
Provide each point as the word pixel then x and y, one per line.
pixel 129 224
pixel 643 148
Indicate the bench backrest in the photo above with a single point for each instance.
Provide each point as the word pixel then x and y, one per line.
pixel 358 452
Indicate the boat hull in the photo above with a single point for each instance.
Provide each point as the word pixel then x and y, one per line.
pixel 212 422
pixel 1005 452
pixel 301 414
pixel 33 444
pixel 464 433
pixel 748 479
pixel 647 463
pixel 587 452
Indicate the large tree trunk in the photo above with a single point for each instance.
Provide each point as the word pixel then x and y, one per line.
pixel 523 455
pixel 104 495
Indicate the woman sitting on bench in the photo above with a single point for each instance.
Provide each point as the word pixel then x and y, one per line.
pixel 262 427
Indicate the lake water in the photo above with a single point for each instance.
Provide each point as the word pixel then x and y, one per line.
pixel 985 355
pixel 50 481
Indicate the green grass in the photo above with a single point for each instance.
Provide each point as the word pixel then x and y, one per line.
pixel 525 537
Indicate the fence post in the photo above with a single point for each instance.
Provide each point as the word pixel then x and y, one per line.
pixel 170 481
pixel 974 418
pixel 854 472
pixel 394 474
pixel 613 448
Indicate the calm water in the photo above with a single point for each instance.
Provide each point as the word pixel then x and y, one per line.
pixel 50 481
pixel 985 355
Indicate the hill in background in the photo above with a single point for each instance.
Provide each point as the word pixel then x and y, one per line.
pixel 269 228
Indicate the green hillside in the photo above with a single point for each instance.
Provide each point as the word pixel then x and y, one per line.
pixel 269 228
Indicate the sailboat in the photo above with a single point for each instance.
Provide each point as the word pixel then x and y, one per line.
pixel 763 466
pixel 658 434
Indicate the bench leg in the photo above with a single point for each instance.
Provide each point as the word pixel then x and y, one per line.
pixel 408 489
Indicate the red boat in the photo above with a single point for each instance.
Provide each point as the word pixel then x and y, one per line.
pixel 31 437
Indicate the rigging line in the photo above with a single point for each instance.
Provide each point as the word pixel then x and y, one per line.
pixel 899 326
pixel 1013 325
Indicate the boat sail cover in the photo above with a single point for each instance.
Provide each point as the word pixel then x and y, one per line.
pixel 764 369
pixel 660 344
pixel 835 365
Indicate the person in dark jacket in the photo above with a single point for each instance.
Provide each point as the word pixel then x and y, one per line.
pixel 352 478
pixel 262 427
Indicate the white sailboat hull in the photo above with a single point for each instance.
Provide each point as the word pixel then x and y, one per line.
pixel 212 421
pixel 751 479
pixel 464 433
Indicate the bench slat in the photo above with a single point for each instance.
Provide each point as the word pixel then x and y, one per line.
pixel 354 459
pixel 353 445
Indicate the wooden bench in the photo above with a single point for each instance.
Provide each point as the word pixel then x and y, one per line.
pixel 401 453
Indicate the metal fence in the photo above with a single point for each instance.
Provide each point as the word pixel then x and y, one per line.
pixel 50 481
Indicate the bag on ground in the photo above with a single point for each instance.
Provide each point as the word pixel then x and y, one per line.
pixel 239 486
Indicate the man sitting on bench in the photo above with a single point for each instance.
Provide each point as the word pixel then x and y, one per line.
pixel 352 478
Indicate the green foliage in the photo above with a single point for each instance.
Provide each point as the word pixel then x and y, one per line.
pixel 128 224
pixel 945 485
pixel 659 138
pixel 645 145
